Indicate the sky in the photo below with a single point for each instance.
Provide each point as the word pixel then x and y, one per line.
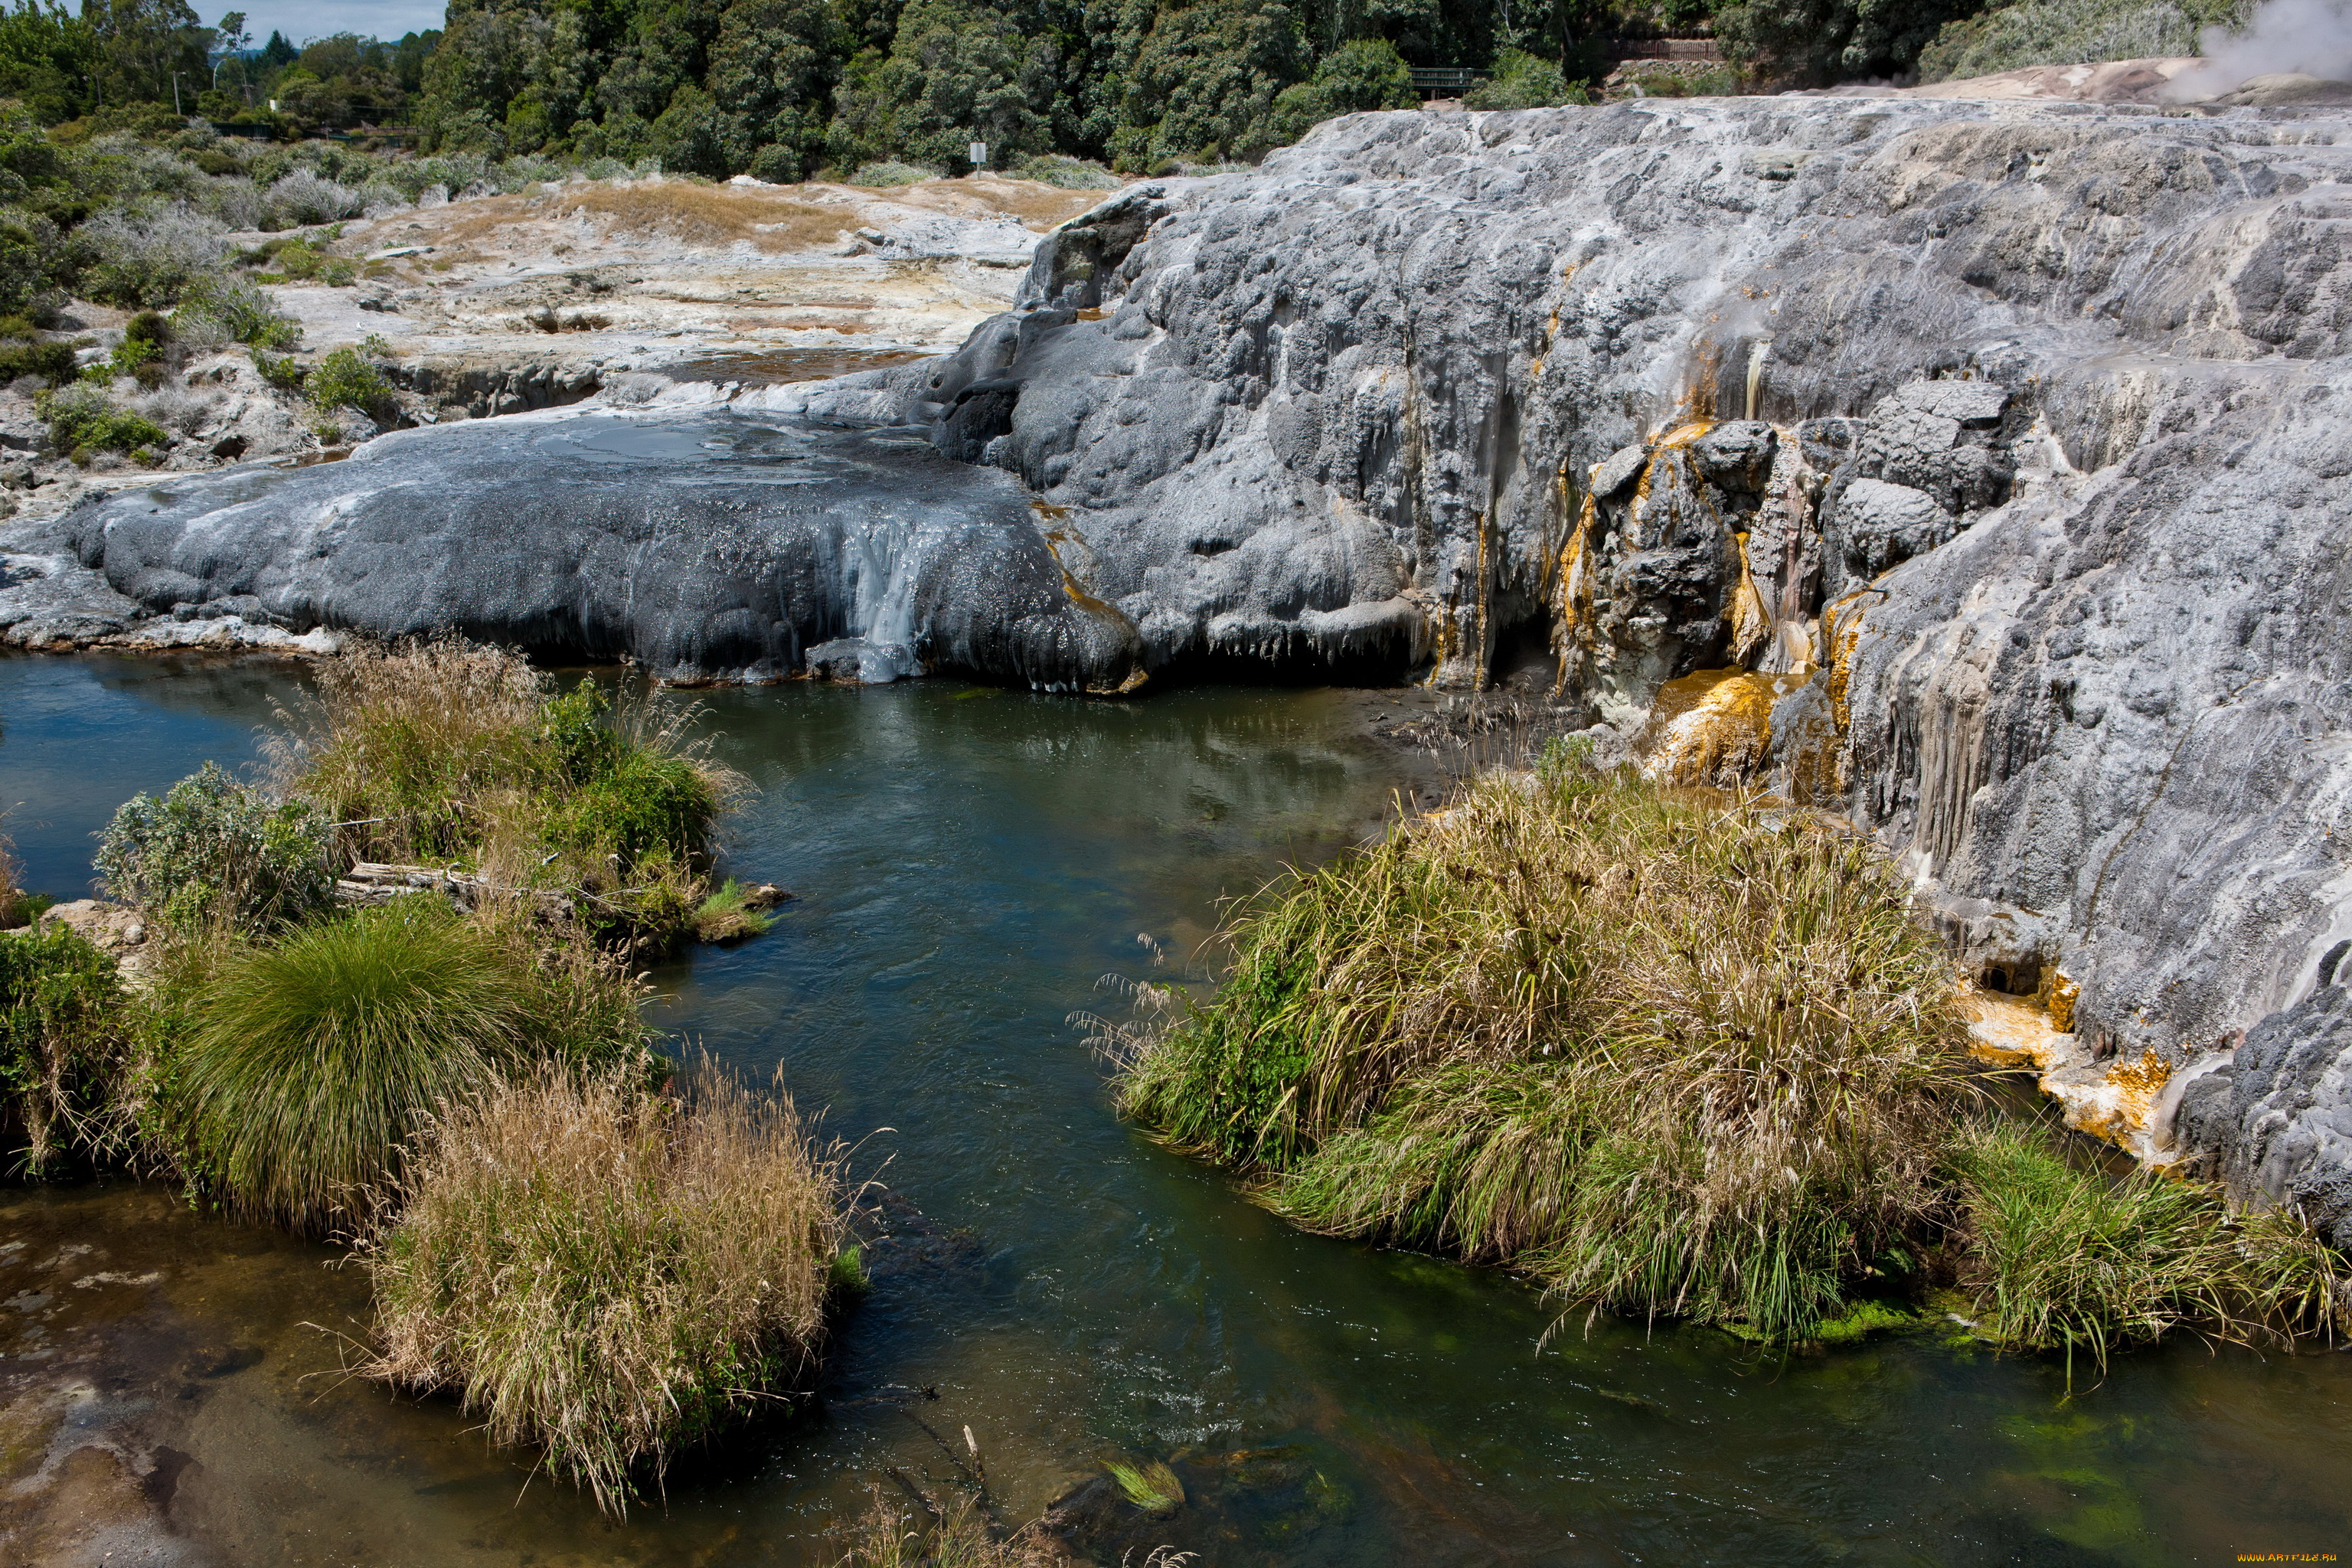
pixel 301 19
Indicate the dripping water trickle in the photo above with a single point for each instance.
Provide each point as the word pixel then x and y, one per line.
pixel 1757 353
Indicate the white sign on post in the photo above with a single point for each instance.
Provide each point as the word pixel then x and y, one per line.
pixel 980 154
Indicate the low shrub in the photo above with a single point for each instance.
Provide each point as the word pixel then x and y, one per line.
pixel 62 1052
pixel 2003 37
pixel 214 849
pixel 83 420
pixel 346 379
pixel 311 1061
pixel 1669 1052
pixel 146 260
pixel 1522 80
pixel 606 1274
pixel 1067 172
pixel 2061 1258
pixel 233 310
pixel 53 361
pixel 890 173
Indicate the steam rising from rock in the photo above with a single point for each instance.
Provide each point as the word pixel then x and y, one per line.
pixel 2313 38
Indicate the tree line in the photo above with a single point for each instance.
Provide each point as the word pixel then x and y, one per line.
pixel 784 88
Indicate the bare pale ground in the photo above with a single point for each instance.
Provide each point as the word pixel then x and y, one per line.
pixel 501 304
pixel 641 275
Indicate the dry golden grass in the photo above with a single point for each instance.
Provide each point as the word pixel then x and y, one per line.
pixel 606 1274
pixel 889 1536
pixel 1670 1051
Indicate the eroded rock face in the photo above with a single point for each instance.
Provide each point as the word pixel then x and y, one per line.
pixel 2038 479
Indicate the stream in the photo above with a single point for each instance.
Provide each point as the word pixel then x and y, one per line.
pixel 969 864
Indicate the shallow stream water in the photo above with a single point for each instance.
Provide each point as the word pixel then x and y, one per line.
pixel 969 864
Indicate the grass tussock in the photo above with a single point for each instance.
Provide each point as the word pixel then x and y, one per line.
pixel 2059 1257
pixel 307 1063
pixel 1669 1052
pixel 609 1275
pixel 728 915
pixel 448 752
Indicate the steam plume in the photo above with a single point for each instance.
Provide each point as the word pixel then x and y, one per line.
pixel 2313 36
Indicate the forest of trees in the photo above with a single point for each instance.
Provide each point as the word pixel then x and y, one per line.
pixel 783 89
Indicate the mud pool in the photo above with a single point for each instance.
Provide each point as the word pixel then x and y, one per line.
pixel 969 864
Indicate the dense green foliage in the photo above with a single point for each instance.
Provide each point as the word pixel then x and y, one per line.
pixel 213 849
pixel 61 1044
pixel 1672 1055
pixel 2067 32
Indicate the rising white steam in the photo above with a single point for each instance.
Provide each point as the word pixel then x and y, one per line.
pixel 2313 36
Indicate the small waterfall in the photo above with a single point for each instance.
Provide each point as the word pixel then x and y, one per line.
pixel 1757 353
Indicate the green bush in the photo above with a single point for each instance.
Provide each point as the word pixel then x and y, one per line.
pixel 2061 1258
pixel 281 372
pixel 1365 74
pixel 1522 80
pixel 232 310
pixel 312 1060
pixel 61 1056
pixel 214 850
pixel 345 379
pixel 54 363
pixel 83 420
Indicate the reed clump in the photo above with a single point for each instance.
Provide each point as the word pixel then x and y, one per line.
pixel 608 1274
pixel 2058 1258
pixel 1672 1053
pixel 447 753
pixel 304 1065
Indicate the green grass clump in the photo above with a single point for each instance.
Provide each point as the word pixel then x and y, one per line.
pixel 451 753
pixel 61 1044
pixel 956 1537
pixel 727 915
pixel 609 1275
pixel 310 1062
pixel 2064 1258
pixel 83 420
pixel 214 850
pixel 1671 1053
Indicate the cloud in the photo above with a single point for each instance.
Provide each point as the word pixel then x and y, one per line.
pixel 386 19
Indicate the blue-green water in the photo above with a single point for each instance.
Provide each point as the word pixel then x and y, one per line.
pixel 969 864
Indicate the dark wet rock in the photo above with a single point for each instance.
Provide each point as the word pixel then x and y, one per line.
pixel 2275 1117
pixel 705 545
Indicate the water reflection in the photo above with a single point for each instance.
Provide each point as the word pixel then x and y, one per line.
pixel 968 864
